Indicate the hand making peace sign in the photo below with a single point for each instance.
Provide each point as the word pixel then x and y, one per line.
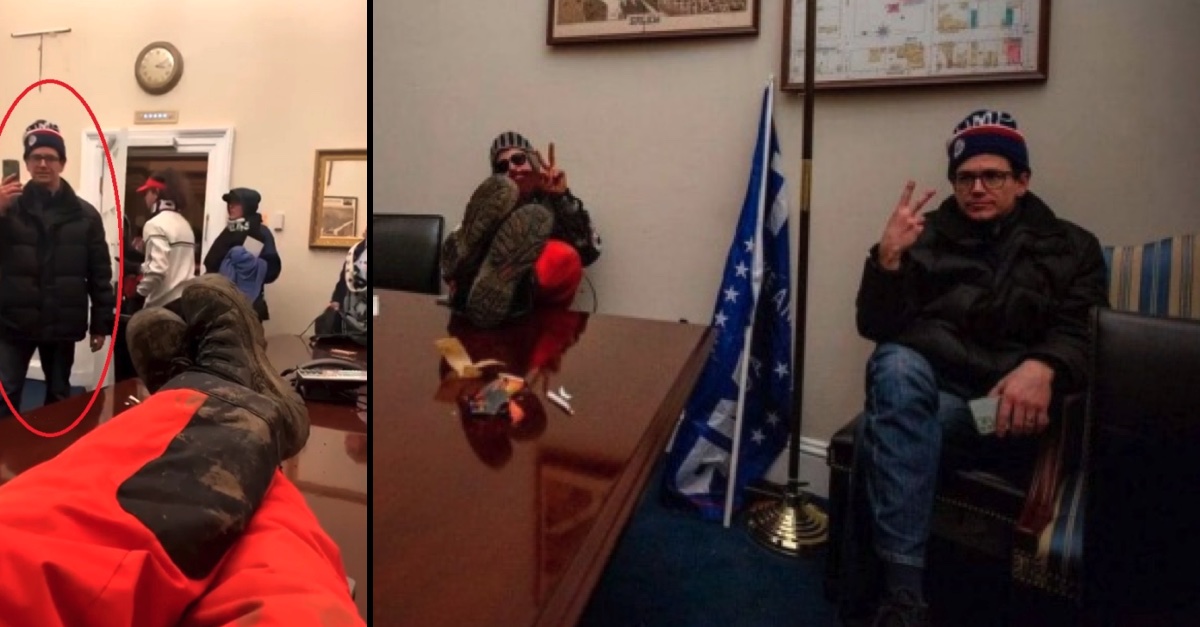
pixel 903 227
pixel 554 181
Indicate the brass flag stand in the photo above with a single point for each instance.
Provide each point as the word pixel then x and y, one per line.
pixel 788 522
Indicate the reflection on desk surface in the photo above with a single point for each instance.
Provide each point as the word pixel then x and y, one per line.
pixel 480 520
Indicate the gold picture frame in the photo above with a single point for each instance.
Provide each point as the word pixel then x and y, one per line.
pixel 339 198
pixel 904 44
pixel 591 21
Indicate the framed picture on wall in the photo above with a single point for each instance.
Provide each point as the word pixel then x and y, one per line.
pixel 340 201
pixel 589 21
pixel 918 42
pixel 339 216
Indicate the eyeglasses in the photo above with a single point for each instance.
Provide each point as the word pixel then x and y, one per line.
pixel 517 158
pixel 992 180
pixel 46 159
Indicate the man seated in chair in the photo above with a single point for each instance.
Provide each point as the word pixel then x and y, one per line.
pixel 985 296
pixel 524 239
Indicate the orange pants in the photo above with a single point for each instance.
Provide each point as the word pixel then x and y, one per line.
pixel 119 530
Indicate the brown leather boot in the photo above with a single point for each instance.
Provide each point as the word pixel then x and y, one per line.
pixel 490 204
pixel 156 343
pixel 508 267
pixel 225 338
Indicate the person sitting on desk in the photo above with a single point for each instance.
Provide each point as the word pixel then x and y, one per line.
pixel 524 239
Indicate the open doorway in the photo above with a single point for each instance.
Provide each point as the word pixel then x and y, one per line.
pixel 144 161
pixel 212 146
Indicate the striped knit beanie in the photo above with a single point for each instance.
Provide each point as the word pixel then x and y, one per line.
pixel 506 140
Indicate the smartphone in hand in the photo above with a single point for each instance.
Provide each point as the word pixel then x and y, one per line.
pixel 983 410
pixel 11 167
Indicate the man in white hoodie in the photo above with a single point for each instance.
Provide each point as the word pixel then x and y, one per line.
pixel 169 240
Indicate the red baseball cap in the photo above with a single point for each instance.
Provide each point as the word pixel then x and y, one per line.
pixel 151 183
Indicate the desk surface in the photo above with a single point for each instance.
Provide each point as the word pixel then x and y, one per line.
pixel 479 522
pixel 331 471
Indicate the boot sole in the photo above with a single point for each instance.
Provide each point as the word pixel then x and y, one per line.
pixel 512 254
pixel 491 203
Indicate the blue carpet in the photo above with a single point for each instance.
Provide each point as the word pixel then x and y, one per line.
pixel 670 568
pixel 34 394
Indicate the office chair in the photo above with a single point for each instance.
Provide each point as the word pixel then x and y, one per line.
pixel 406 252
pixel 1140 546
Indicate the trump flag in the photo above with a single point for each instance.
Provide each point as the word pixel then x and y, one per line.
pixel 735 423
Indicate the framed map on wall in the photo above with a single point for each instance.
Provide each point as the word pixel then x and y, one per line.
pixel 587 21
pixel 880 43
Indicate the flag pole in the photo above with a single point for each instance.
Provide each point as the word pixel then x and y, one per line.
pixel 756 288
pixel 791 524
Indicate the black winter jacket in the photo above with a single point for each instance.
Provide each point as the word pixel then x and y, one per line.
pixel 233 237
pixel 53 260
pixel 978 299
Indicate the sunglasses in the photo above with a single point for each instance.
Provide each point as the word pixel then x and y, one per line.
pixel 517 159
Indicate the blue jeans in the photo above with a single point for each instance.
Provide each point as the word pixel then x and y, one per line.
pixel 899 446
pixel 57 360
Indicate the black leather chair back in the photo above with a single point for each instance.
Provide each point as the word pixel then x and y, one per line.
pixel 405 252
pixel 1142 525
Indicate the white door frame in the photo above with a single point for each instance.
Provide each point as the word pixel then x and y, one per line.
pixel 95 187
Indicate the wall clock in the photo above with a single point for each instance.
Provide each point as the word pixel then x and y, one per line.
pixel 158 68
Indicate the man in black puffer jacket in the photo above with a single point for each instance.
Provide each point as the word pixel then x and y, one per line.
pixel 53 261
pixel 986 296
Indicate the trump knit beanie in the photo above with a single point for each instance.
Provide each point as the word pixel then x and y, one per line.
pixel 987 132
pixel 43 134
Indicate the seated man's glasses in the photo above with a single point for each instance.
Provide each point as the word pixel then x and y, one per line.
pixel 992 180
pixel 46 159
pixel 517 158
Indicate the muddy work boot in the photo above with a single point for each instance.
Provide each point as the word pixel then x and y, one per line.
pixel 224 338
pixel 508 267
pixel 155 338
pixel 492 201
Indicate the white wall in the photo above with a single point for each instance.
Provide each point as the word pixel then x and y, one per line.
pixel 656 138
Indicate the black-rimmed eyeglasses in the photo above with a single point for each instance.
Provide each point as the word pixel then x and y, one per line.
pixel 992 180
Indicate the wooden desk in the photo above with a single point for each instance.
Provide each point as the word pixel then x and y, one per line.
pixel 477 522
pixel 331 471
